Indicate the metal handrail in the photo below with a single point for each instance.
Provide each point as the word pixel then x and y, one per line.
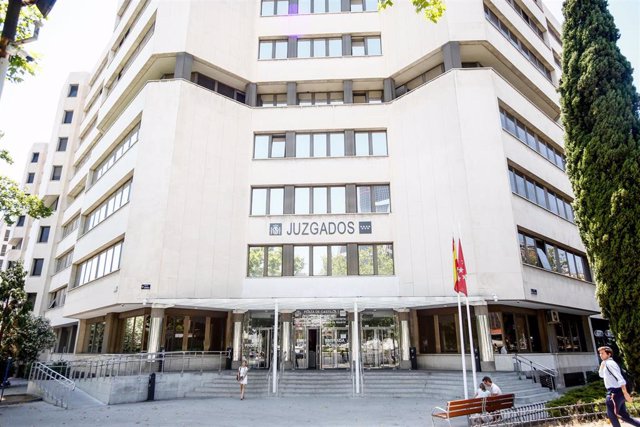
pixel 535 368
pixel 55 386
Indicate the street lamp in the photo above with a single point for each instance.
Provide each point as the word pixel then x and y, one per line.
pixel 8 40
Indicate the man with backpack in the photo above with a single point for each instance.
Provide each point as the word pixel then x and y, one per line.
pixel 616 386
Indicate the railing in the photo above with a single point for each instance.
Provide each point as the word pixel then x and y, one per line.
pixel 539 373
pixel 540 414
pixel 115 365
pixel 53 385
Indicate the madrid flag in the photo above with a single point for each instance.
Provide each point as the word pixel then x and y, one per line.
pixel 460 270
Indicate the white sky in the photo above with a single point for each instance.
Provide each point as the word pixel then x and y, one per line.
pixel 76 34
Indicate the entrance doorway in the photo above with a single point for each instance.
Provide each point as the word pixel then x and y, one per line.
pixel 335 348
pixel 312 348
pixel 379 348
pixel 258 348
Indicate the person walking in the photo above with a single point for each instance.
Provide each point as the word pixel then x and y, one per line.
pixel 617 394
pixel 242 378
pixel 491 386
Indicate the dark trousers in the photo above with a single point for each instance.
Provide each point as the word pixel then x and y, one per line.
pixel 616 407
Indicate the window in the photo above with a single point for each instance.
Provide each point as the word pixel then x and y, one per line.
pixel 371 143
pixel 265 261
pixel 99 265
pixel 316 48
pixel 554 33
pixel 268 146
pixel 3 250
pixel 31 176
pixel 7 233
pixel 272 100
pixel 73 91
pixel 540 195
pixel 43 236
pixel 35 157
pixel 320 98
pixel 375 260
pixel 364 5
pixel 134 333
pixel 57 298
pixel 529 137
pixel 570 334
pixel 366 46
pixel 95 335
pixel 319 200
pixel 373 198
pixel 267 201
pixel 67 117
pixel 70 226
pixel 20 221
pixel 129 140
pixel 56 173
pixel 517 43
pixel 319 6
pixel 274 7
pixel 540 253
pixel 118 199
pixel 368 97
pixel 62 144
pixel 219 87
pixel 320 260
pixel 525 17
pixel 273 49
pixel 36 266
pixel 64 261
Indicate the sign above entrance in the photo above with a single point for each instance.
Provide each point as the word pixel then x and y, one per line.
pixel 323 311
pixel 298 228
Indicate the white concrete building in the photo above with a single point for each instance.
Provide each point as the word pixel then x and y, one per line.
pixel 238 164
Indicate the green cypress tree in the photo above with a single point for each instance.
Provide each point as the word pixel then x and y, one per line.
pixel 600 113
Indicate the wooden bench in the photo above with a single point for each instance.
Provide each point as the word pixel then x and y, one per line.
pixel 477 405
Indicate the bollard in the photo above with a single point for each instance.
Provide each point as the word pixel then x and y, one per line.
pixel 151 389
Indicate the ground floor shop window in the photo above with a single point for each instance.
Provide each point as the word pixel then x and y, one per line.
pixel 174 332
pixel 439 331
pixel 135 334
pixel 513 332
pixel 257 339
pixel 66 339
pixel 379 342
pixel 570 334
pixel 95 335
pixel 187 331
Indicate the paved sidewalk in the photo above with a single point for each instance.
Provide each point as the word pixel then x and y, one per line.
pixel 231 412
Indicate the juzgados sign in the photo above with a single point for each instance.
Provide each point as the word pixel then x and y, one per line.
pixel 320 228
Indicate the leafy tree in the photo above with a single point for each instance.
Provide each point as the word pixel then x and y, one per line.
pixel 431 9
pixel 32 337
pixel 14 202
pixel 19 66
pixel 600 112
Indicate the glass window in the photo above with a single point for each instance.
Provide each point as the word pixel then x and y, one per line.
pixel 531 256
pixel 302 200
pixel 580 269
pixel 572 265
pixel 381 198
pixel 335 47
pixel 338 200
pixel 267 8
pixel 301 261
pixel 62 144
pixel 338 260
pixel 320 145
pixel 531 191
pixel 362 143
pixel 320 200
pixel 274 261
pixel 336 98
pixel 305 99
pixel 379 143
pixel 319 48
pixel 384 255
pixel 374 46
pixel 303 145
pixel 335 6
pixel 319 6
pixel 563 262
pixel 357 6
pixel 552 257
pixel 304 48
pixel 542 201
pixel 282 7
pixel 281 49
pixel 336 144
pixel 56 173
pixel 261 147
pixel 304 6
pixel 553 204
pixel 321 98
pixel 357 47
pixel 256 262
pixel 266 48
pixel 447 331
pixel 569 211
pixel 520 185
pixel 259 201
pixel 276 201
pixel 512 180
pixel 277 147
pixel 320 260
pixel 371 5
pixel 68 117
pixel 364 199
pixel 365 259
pixel 561 211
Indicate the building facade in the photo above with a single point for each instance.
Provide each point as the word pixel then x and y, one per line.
pixel 289 174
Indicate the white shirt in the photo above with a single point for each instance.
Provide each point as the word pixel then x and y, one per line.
pixel 482 393
pixel 494 389
pixel 610 371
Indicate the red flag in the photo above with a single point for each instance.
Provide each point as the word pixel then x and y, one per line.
pixel 461 271
pixel 455 265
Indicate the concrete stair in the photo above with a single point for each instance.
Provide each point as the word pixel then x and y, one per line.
pixel 225 385
pixel 328 383
pixel 447 385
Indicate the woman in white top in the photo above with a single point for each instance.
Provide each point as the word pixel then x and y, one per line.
pixel 242 378
pixel 482 391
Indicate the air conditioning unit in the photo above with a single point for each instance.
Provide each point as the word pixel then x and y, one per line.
pixel 554 316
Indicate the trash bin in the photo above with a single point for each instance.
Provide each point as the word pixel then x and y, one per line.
pixel 413 357
pixel 229 358
pixel 476 355
pixel 151 388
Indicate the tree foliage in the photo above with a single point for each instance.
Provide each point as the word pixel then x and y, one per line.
pixel 14 202
pixel 600 112
pixel 19 66
pixel 431 9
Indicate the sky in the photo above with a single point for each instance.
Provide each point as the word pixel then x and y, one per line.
pixel 76 34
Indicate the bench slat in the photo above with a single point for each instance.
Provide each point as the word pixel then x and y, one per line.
pixel 478 405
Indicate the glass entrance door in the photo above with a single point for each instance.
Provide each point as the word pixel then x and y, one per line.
pixel 335 348
pixel 257 348
pixel 379 348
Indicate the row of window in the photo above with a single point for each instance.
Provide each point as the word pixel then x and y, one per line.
pixel 321 260
pixel 321 144
pixel 216 86
pixel 100 265
pixel 71 226
pixel 516 128
pixel 118 199
pixel 319 47
pixel 321 200
pixel 537 252
pixel 516 42
pixel 525 16
pixel 117 153
pixel 306 99
pixel 64 261
pixel 299 7
pixel 57 298
pixel 539 194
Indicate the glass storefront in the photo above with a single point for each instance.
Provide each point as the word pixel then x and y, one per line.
pixel 321 339
pixel 379 340
pixel 257 339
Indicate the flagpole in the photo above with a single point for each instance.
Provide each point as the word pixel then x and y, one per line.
pixel 462 352
pixel 472 350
